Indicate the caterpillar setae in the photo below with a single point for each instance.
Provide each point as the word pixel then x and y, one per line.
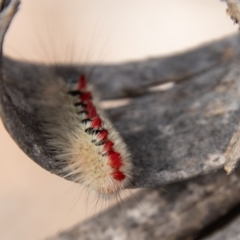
pixel 56 120
pixel 83 138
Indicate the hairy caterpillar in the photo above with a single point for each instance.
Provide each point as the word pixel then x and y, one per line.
pixel 85 140
pixel 64 130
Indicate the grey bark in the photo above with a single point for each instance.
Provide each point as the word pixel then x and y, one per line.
pixel 233 150
pixel 231 231
pixel 180 211
pixel 172 135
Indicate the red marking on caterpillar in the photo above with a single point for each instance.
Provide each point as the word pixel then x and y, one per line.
pixel 87 142
pixel 96 122
pixel 118 176
pixel 85 96
pixel 108 145
pixel 92 112
pixel 115 159
pixel 82 84
pixel 103 134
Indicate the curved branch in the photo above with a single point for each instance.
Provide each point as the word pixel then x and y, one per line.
pixel 173 135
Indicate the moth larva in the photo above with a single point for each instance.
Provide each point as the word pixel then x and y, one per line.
pixel 85 140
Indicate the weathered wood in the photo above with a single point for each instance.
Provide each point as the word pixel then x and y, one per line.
pixel 184 131
pixel 173 135
pixel 133 79
pixel 233 153
pixel 229 232
pixel 180 211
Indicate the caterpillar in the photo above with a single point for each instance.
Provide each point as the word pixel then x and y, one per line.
pixel 83 138
pixel 64 130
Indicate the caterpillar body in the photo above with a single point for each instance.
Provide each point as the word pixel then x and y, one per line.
pixel 81 137
pixel 58 123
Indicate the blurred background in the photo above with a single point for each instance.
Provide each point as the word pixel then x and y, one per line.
pixel 35 204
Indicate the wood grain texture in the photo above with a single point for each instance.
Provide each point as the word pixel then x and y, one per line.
pixel 173 135
pixel 180 211
pixel 229 231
